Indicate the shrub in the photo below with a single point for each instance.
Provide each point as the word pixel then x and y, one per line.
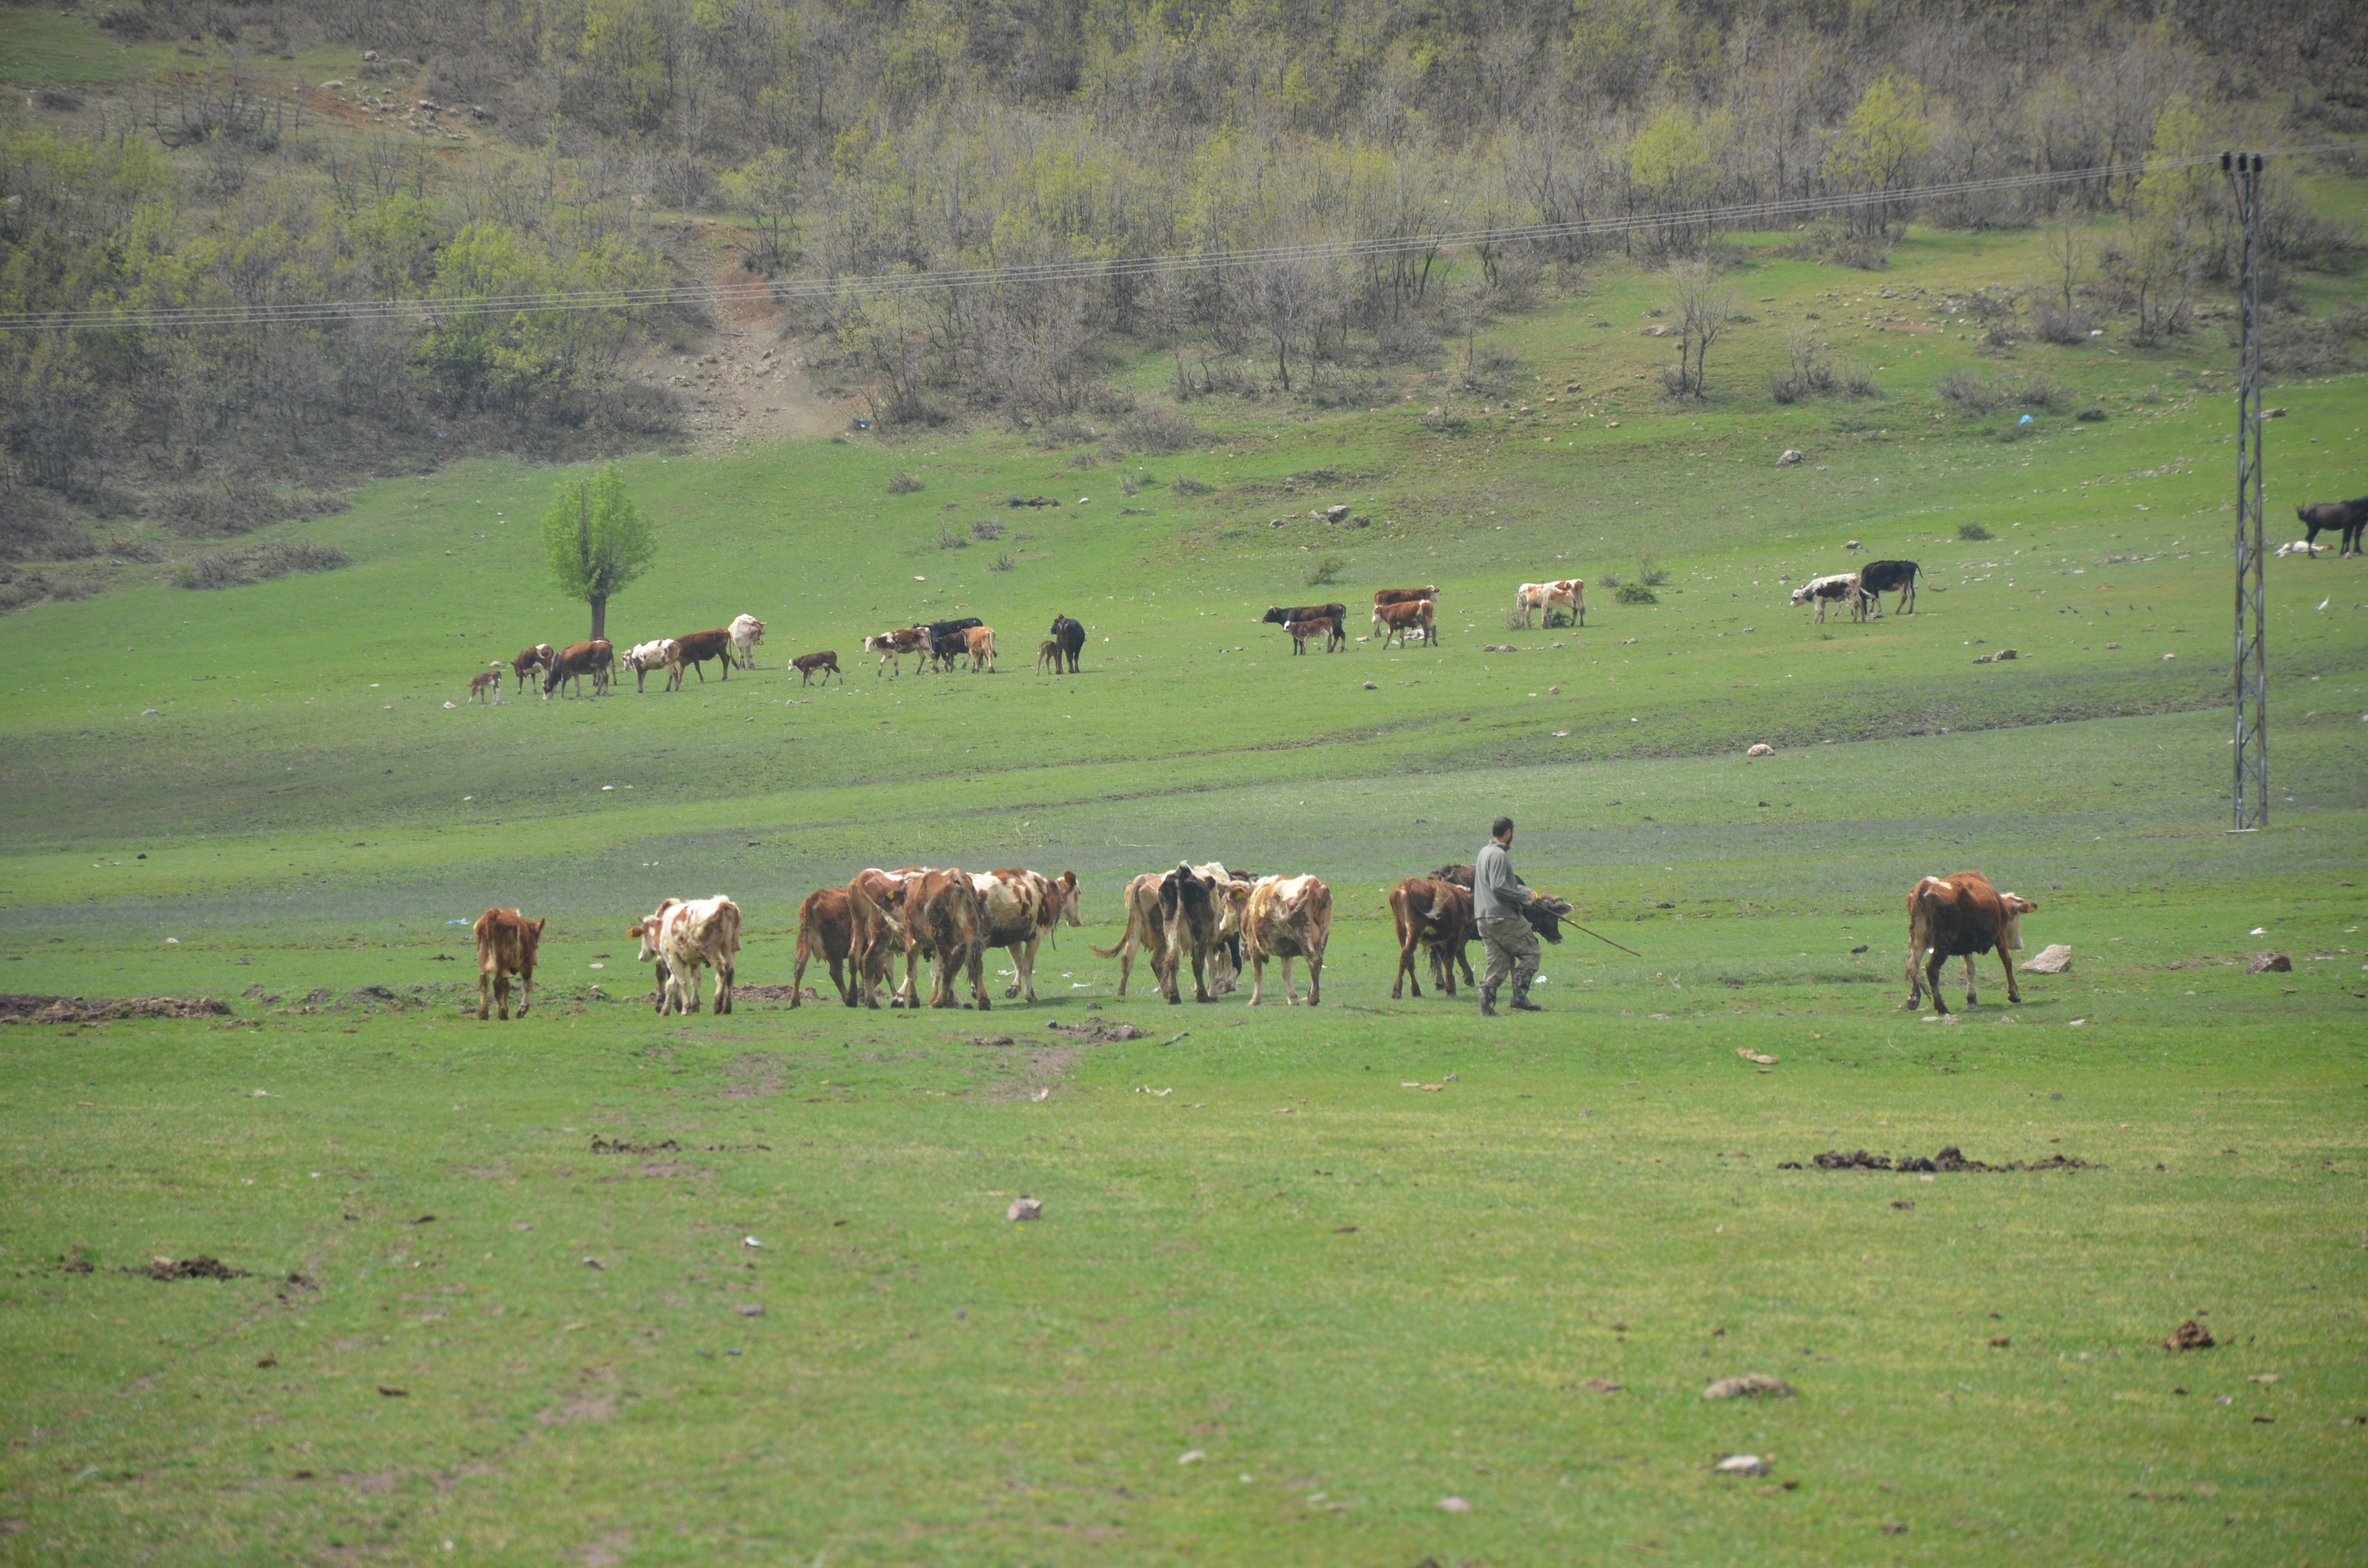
pixel 948 537
pixel 2036 393
pixel 1187 485
pixel 1648 570
pixel 1609 580
pixel 2056 322
pixel 985 531
pixel 1862 252
pixel 1859 381
pixel 903 484
pixel 1002 563
pixel 256 562
pixel 2090 415
pixel 1636 593
pixel 1962 386
pixel 1327 569
pixel 1974 534
pixel 1159 430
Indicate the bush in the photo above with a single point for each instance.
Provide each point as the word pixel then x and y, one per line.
pixel 1859 381
pixel 1159 430
pixel 1974 534
pixel 1636 593
pixel 2090 415
pixel 254 563
pixel 1187 485
pixel 1962 386
pixel 1609 580
pixel 2056 323
pixel 903 484
pixel 1327 569
pixel 1003 563
pixel 1867 254
pixel 948 537
pixel 1648 570
pixel 985 531
pixel 2036 393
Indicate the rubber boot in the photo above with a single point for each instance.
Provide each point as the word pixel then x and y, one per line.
pixel 1522 1002
pixel 1489 1001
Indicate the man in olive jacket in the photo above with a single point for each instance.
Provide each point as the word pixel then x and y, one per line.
pixel 1497 898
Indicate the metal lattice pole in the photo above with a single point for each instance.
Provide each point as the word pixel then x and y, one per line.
pixel 2250 796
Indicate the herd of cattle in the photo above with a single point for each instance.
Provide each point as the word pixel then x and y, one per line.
pixel 1217 921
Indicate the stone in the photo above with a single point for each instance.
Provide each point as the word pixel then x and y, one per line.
pixel 2053 958
pixel 1024 1209
pixel 1740 1464
pixel 2269 963
pixel 1752 1385
pixel 1791 456
pixel 1761 749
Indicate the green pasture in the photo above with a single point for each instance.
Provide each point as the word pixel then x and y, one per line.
pixel 1301 1276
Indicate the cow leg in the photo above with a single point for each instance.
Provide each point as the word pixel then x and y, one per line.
pixel 1970 999
pixel 723 986
pixel 2006 961
pixel 1915 979
pixel 526 982
pixel 1932 968
pixel 485 989
pixel 502 993
pixel 1408 942
pixel 978 975
pixel 1290 997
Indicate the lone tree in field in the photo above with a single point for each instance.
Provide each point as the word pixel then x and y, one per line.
pixel 596 540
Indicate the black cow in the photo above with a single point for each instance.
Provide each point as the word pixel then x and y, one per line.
pixel 1877 578
pixel 2346 517
pixel 1069 636
pixel 1545 922
pixel 1283 615
pixel 947 646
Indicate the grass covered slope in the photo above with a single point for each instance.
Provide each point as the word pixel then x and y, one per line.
pixel 1359 1260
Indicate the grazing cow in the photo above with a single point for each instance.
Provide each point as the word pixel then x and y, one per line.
pixel 746 631
pixel 1435 915
pixel 1877 578
pixel 826 662
pixel 1841 587
pixel 1322 626
pixel 1397 621
pixel 696 649
pixel 647 656
pixel 896 644
pixel 1567 595
pixel 1960 915
pixel 1404 595
pixel 486 684
pixel 1287 917
pixel 980 640
pixel 1543 918
pixel 876 900
pixel 531 661
pixel 1277 615
pixel 1048 656
pixel 2345 517
pixel 684 936
pixel 944 924
pixel 1021 908
pixel 506 944
pixel 826 930
pixel 574 662
pixel 1071 636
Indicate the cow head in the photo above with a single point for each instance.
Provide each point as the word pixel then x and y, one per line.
pixel 2010 929
pixel 648 931
pixel 1275 615
pixel 1070 898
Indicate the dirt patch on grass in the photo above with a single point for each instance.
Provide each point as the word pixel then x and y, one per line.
pixel 16 1009
pixel 1041 1067
pixel 753 1076
pixel 772 994
pixel 1950 1158
pixel 198 1268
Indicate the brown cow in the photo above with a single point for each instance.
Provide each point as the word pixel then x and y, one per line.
pixel 1404 595
pixel 574 662
pixel 486 684
pixel 896 644
pixel 979 640
pixel 1960 916
pixel 696 650
pixel 1287 917
pixel 876 906
pixel 1322 626
pixel 1021 908
pixel 944 924
pixel 1397 621
pixel 1048 656
pixel 531 660
pixel 1437 917
pixel 826 930
pixel 506 944
pixel 827 662
pixel 1146 929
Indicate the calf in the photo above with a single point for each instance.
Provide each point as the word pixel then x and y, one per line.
pixel 1436 916
pixel 1877 578
pixel 827 662
pixel 1071 636
pixel 684 936
pixel 574 662
pixel 1321 626
pixel 2346 519
pixel 696 649
pixel 486 684
pixel 745 631
pixel 530 661
pixel 1048 656
pixel 1840 587
pixel 876 901
pixel 1404 595
pixel 1287 917
pixel 506 944
pixel 1277 615
pixel 1960 916
pixel 1020 909
pixel 1397 621
pixel 826 930
pixel 944 924
pixel 894 645
pixel 647 656
pixel 1546 919
pixel 980 640
pixel 950 642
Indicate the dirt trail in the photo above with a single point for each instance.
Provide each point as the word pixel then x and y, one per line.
pixel 740 381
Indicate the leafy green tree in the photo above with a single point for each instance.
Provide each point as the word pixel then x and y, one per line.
pixel 1878 149
pixel 596 540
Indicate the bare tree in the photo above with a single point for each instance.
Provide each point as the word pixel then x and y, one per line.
pixel 1704 305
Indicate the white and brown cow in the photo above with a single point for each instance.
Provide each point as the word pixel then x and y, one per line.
pixel 1568 593
pixel 531 662
pixel 1960 916
pixel 684 936
pixel 876 906
pixel 945 926
pixel 1146 929
pixel 894 645
pixel 1286 918
pixel 746 631
pixel 576 661
pixel 1021 908
pixel 1397 621
pixel 647 656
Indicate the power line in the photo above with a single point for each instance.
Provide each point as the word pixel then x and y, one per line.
pixel 429 309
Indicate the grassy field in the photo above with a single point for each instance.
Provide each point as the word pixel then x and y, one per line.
pixel 1301 1276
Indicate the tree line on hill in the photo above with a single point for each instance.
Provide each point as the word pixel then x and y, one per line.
pixel 840 140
